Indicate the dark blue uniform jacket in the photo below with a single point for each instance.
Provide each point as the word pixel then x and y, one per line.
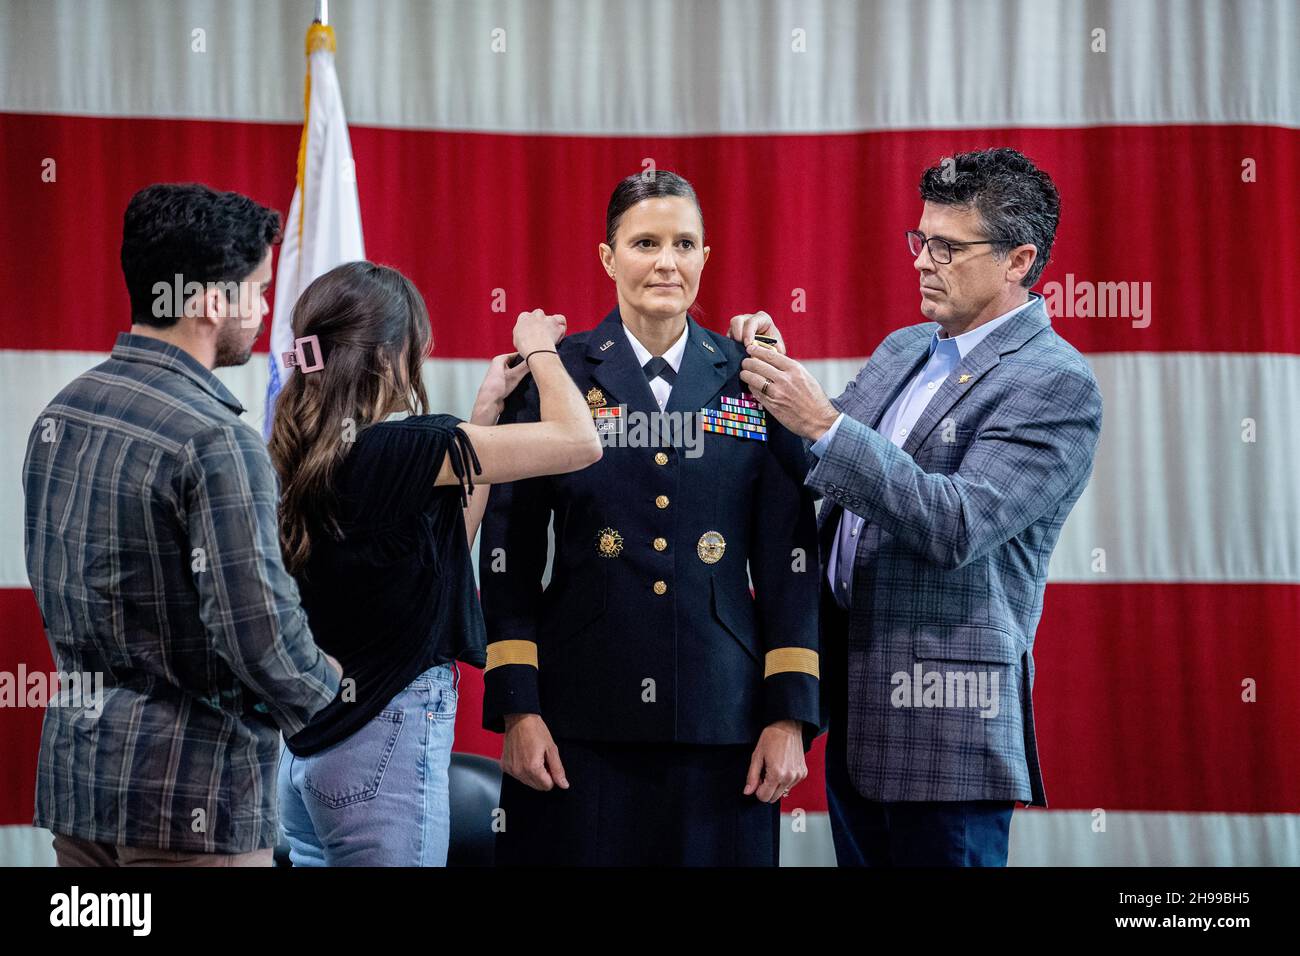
pixel 647 631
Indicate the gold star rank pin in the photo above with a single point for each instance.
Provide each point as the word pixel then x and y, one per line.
pixel 963 379
pixel 710 547
pixel 595 398
pixel 609 543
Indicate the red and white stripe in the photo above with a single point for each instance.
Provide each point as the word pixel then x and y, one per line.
pixel 481 170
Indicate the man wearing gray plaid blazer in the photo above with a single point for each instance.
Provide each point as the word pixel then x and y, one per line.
pixel 948 466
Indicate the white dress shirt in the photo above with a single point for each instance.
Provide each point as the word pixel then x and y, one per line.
pixel 946 355
pixel 673 357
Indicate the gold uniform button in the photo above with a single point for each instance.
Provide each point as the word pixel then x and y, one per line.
pixel 661 544
pixel 660 587
pixel 661 458
pixel 661 501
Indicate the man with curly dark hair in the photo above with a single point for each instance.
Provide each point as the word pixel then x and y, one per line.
pixel 947 467
pixel 152 549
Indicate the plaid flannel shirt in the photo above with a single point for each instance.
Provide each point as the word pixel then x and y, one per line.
pixel 153 552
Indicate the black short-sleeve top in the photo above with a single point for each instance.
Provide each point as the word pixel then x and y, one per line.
pixel 395 595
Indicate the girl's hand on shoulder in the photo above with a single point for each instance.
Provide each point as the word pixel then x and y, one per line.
pixel 537 330
pixel 498 383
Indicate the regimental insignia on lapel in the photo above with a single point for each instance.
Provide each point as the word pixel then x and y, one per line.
pixel 595 398
pixel 963 378
pixel 708 345
pixel 739 417
pixel 607 344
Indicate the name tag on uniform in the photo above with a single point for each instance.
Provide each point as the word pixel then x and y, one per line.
pixel 608 419
pixel 738 417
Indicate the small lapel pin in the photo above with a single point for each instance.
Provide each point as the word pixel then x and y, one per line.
pixel 708 345
pixel 607 345
pixel 963 379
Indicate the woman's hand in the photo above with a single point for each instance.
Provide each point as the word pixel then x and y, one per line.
pixel 529 753
pixel 537 330
pixel 778 764
pixel 498 383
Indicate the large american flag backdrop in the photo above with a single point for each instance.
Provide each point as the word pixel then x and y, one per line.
pixel 487 137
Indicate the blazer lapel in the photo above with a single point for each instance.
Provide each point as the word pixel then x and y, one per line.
pixel 615 369
pixel 704 370
pixel 964 377
pixel 878 391
pixel 1012 335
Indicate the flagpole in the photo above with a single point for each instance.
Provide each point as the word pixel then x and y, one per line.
pixel 310 250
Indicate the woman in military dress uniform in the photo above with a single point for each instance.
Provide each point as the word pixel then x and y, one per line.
pixel 654 711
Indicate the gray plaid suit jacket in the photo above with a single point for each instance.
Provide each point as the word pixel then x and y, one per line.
pixel 951 563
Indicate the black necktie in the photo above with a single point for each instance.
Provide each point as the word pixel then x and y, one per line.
pixel 658 367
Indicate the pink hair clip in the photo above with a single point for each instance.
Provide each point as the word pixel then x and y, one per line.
pixel 298 358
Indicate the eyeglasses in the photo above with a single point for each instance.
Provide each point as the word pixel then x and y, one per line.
pixel 941 249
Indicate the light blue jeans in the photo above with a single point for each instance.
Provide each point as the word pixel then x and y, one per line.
pixel 378 798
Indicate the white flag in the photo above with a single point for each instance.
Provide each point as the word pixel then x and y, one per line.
pixel 324 225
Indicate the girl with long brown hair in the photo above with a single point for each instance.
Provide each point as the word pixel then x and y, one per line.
pixel 377 517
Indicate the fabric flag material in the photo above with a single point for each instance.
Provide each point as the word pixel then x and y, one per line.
pixel 1167 656
pixel 324 225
